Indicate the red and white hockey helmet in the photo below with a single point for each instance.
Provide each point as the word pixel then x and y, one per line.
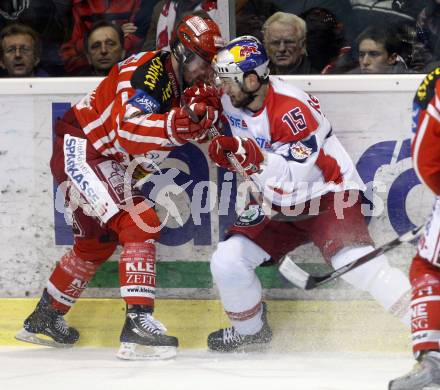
pixel 196 34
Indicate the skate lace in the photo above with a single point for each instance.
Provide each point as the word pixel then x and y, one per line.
pixel 230 335
pixel 149 323
pixel 61 325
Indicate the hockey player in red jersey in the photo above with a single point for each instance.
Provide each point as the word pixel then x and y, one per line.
pixel 285 143
pixel 134 111
pixel 424 272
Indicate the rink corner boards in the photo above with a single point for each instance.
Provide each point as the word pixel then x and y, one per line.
pixel 349 326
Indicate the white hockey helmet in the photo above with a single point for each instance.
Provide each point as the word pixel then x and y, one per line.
pixel 243 55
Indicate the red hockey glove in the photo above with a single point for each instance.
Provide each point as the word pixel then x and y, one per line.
pixel 180 127
pixel 202 93
pixel 245 150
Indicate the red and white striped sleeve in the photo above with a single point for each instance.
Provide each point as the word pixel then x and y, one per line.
pixel 426 143
pixel 137 132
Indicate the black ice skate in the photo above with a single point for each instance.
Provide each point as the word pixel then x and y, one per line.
pixel 143 337
pixel 229 340
pixel 47 321
pixel 425 375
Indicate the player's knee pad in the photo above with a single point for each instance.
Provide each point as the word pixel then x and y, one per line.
pixel 425 305
pixel 420 267
pixel 69 279
pixel 94 250
pixel 234 261
pixel 133 227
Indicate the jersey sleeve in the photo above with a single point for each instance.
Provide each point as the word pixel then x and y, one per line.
pixel 139 132
pixel 426 142
pixel 140 124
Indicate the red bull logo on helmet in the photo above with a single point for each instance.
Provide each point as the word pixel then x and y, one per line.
pixel 240 53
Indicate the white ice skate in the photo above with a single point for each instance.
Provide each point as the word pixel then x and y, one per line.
pixel 424 376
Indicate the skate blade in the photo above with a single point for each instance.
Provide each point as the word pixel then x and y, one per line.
pixel 248 348
pixel 132 351
pixel 34 338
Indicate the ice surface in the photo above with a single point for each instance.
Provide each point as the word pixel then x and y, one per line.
pixel 41 368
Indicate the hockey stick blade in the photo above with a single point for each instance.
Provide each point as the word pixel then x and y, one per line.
pixel 302 279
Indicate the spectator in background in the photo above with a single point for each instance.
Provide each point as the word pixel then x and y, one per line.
pixel 342 9
pixel 414 51
pixel 379 51
pixel 104 45
pixel 372 12
pixel 166 15
pixel 133 16
pixel 51 19
pixel 20 50
pixel 326 45
pixel 285 41
pixel 250 16
pixel 428 27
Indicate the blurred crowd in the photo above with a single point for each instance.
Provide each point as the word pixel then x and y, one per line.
pixel 87 37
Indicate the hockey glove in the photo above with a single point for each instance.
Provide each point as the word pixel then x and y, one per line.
pixel 245 150
pixel 202 93
pixel 180 128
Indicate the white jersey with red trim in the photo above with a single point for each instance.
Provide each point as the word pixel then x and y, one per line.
pixel 303 159
pixel 125 115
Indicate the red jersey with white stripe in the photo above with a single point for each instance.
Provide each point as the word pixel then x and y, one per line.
pixel 125 115
pixel 303 159
pixel 426 125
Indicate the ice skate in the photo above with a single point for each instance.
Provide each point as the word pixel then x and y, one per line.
pixel 143 337
pixel 424 376
pixel 229 340
pixel 46 326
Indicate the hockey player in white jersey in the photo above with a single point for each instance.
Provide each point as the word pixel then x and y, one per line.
pixel 286 144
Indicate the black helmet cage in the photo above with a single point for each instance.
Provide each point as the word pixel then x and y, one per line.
pixel 182 53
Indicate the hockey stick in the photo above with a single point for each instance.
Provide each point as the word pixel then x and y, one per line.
pixel 302 279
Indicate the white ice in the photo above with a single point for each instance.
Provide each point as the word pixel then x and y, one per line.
pixel 41 368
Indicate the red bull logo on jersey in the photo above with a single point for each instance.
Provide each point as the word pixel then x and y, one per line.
pixel 240 53
pixel 300 151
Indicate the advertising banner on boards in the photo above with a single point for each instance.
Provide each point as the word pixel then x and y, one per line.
pixel 374 124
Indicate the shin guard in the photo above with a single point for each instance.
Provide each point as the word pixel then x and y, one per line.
pixel 425 305
pixel 68 280
pixel 137 273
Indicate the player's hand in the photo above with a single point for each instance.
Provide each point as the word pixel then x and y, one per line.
pixel 128 28
pixel 181 128
pixel 245 150
pixel 202 93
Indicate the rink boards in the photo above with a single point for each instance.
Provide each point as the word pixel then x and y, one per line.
pixel 370 115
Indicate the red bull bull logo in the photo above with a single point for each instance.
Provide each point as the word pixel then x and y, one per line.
pixel 300 151
pixel 240 53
